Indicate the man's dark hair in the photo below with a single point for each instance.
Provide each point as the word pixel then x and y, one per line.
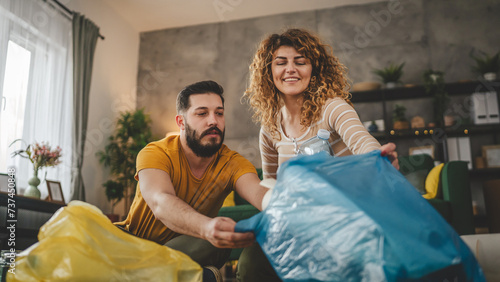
pixel 201 87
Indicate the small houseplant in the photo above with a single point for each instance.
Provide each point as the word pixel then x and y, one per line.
pixel 390 75
pixel 435 86
pixel 132 133
pixel 487 66
pixel 40 155
pixel 399 117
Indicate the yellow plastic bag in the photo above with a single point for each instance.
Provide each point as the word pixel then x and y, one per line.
pixel 79 243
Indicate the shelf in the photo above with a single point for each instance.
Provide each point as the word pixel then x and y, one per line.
pixel 415 92
pixel 453 131
pixel 485 173
pixel 21 202
pixel 415 133
pixel 473 129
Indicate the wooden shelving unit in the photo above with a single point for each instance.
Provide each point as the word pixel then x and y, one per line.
pixel 438 136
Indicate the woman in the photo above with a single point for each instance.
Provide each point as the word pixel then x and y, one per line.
pixel 296 88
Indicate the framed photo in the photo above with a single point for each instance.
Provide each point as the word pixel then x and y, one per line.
pixel 4 182
pixel 491 154
pixel 428 150
pixel 55 192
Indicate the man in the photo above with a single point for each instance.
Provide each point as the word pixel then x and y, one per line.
pixel 184 179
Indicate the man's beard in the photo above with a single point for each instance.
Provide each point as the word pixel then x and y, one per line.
pixel 195 145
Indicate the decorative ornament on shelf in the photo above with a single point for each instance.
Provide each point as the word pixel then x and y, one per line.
pixel 390 75
pixel 417 122
pixel 449 120
pixel 399 118
pixel 435 86
pixel 365 86
pixel 373 127
pixel 40 155
pixel 486 66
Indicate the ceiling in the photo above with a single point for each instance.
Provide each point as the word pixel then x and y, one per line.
pixel 147 15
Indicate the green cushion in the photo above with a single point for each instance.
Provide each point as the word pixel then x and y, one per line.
pixel 259 173
pixel 238 213
pixel 417 179
pixel 408 164
pixel 239 201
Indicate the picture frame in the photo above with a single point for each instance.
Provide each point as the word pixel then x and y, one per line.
pixel 428 150
pixel 55 192
pixel 491 154
pixel 4 183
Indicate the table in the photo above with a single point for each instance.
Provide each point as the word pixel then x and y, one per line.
pixel 24 237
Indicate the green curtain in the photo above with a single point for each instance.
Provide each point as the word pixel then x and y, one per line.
pixel 85 34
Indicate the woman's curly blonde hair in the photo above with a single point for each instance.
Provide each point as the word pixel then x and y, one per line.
pixel 328 79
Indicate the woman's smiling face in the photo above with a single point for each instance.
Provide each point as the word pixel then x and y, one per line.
pixel 291 71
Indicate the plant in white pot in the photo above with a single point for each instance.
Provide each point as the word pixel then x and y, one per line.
pixel 486 65
pixel 390 75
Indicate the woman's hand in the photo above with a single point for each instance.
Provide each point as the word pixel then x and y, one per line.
pixel 389 150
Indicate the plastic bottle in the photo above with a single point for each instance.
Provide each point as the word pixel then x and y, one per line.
pixel 317 144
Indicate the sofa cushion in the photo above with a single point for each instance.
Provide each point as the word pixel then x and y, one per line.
pixel 417 179
pixel 229 201
pixel 443 207
pixel 408 164
pixel 432 183
pixel 238 212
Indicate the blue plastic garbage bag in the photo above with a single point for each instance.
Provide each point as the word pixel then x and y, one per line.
pixel 356 218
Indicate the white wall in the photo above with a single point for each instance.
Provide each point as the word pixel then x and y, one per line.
pixel 113 89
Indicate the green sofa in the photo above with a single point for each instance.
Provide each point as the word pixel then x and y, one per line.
pixel 454 203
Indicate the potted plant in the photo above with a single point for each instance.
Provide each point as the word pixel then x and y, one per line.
pixel 435 86
pixel 399 117
pixel 132 133
pixel 391 75
pixel 487 66
pixel 114 193
pixel 40 155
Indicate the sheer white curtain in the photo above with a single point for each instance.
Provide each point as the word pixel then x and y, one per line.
pixel 45 113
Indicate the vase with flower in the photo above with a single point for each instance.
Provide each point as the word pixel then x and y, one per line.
pixel 41 155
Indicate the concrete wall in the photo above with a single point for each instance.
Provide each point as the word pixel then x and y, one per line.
pixel 113 89
pixel 423 33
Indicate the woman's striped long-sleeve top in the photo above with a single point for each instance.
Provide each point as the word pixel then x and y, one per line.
pixel 347 136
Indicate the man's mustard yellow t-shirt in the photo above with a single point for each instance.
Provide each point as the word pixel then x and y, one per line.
pixel 205 194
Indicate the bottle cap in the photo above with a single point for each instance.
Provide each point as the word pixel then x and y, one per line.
pixel 323 134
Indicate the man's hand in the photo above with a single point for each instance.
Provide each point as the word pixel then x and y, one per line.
pixel 219 232
pixel 389 150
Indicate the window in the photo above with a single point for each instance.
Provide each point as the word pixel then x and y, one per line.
pixel 35 87
pixel 15 87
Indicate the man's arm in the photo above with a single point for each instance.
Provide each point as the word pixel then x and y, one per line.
pixel 249 188
pixel 158 192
